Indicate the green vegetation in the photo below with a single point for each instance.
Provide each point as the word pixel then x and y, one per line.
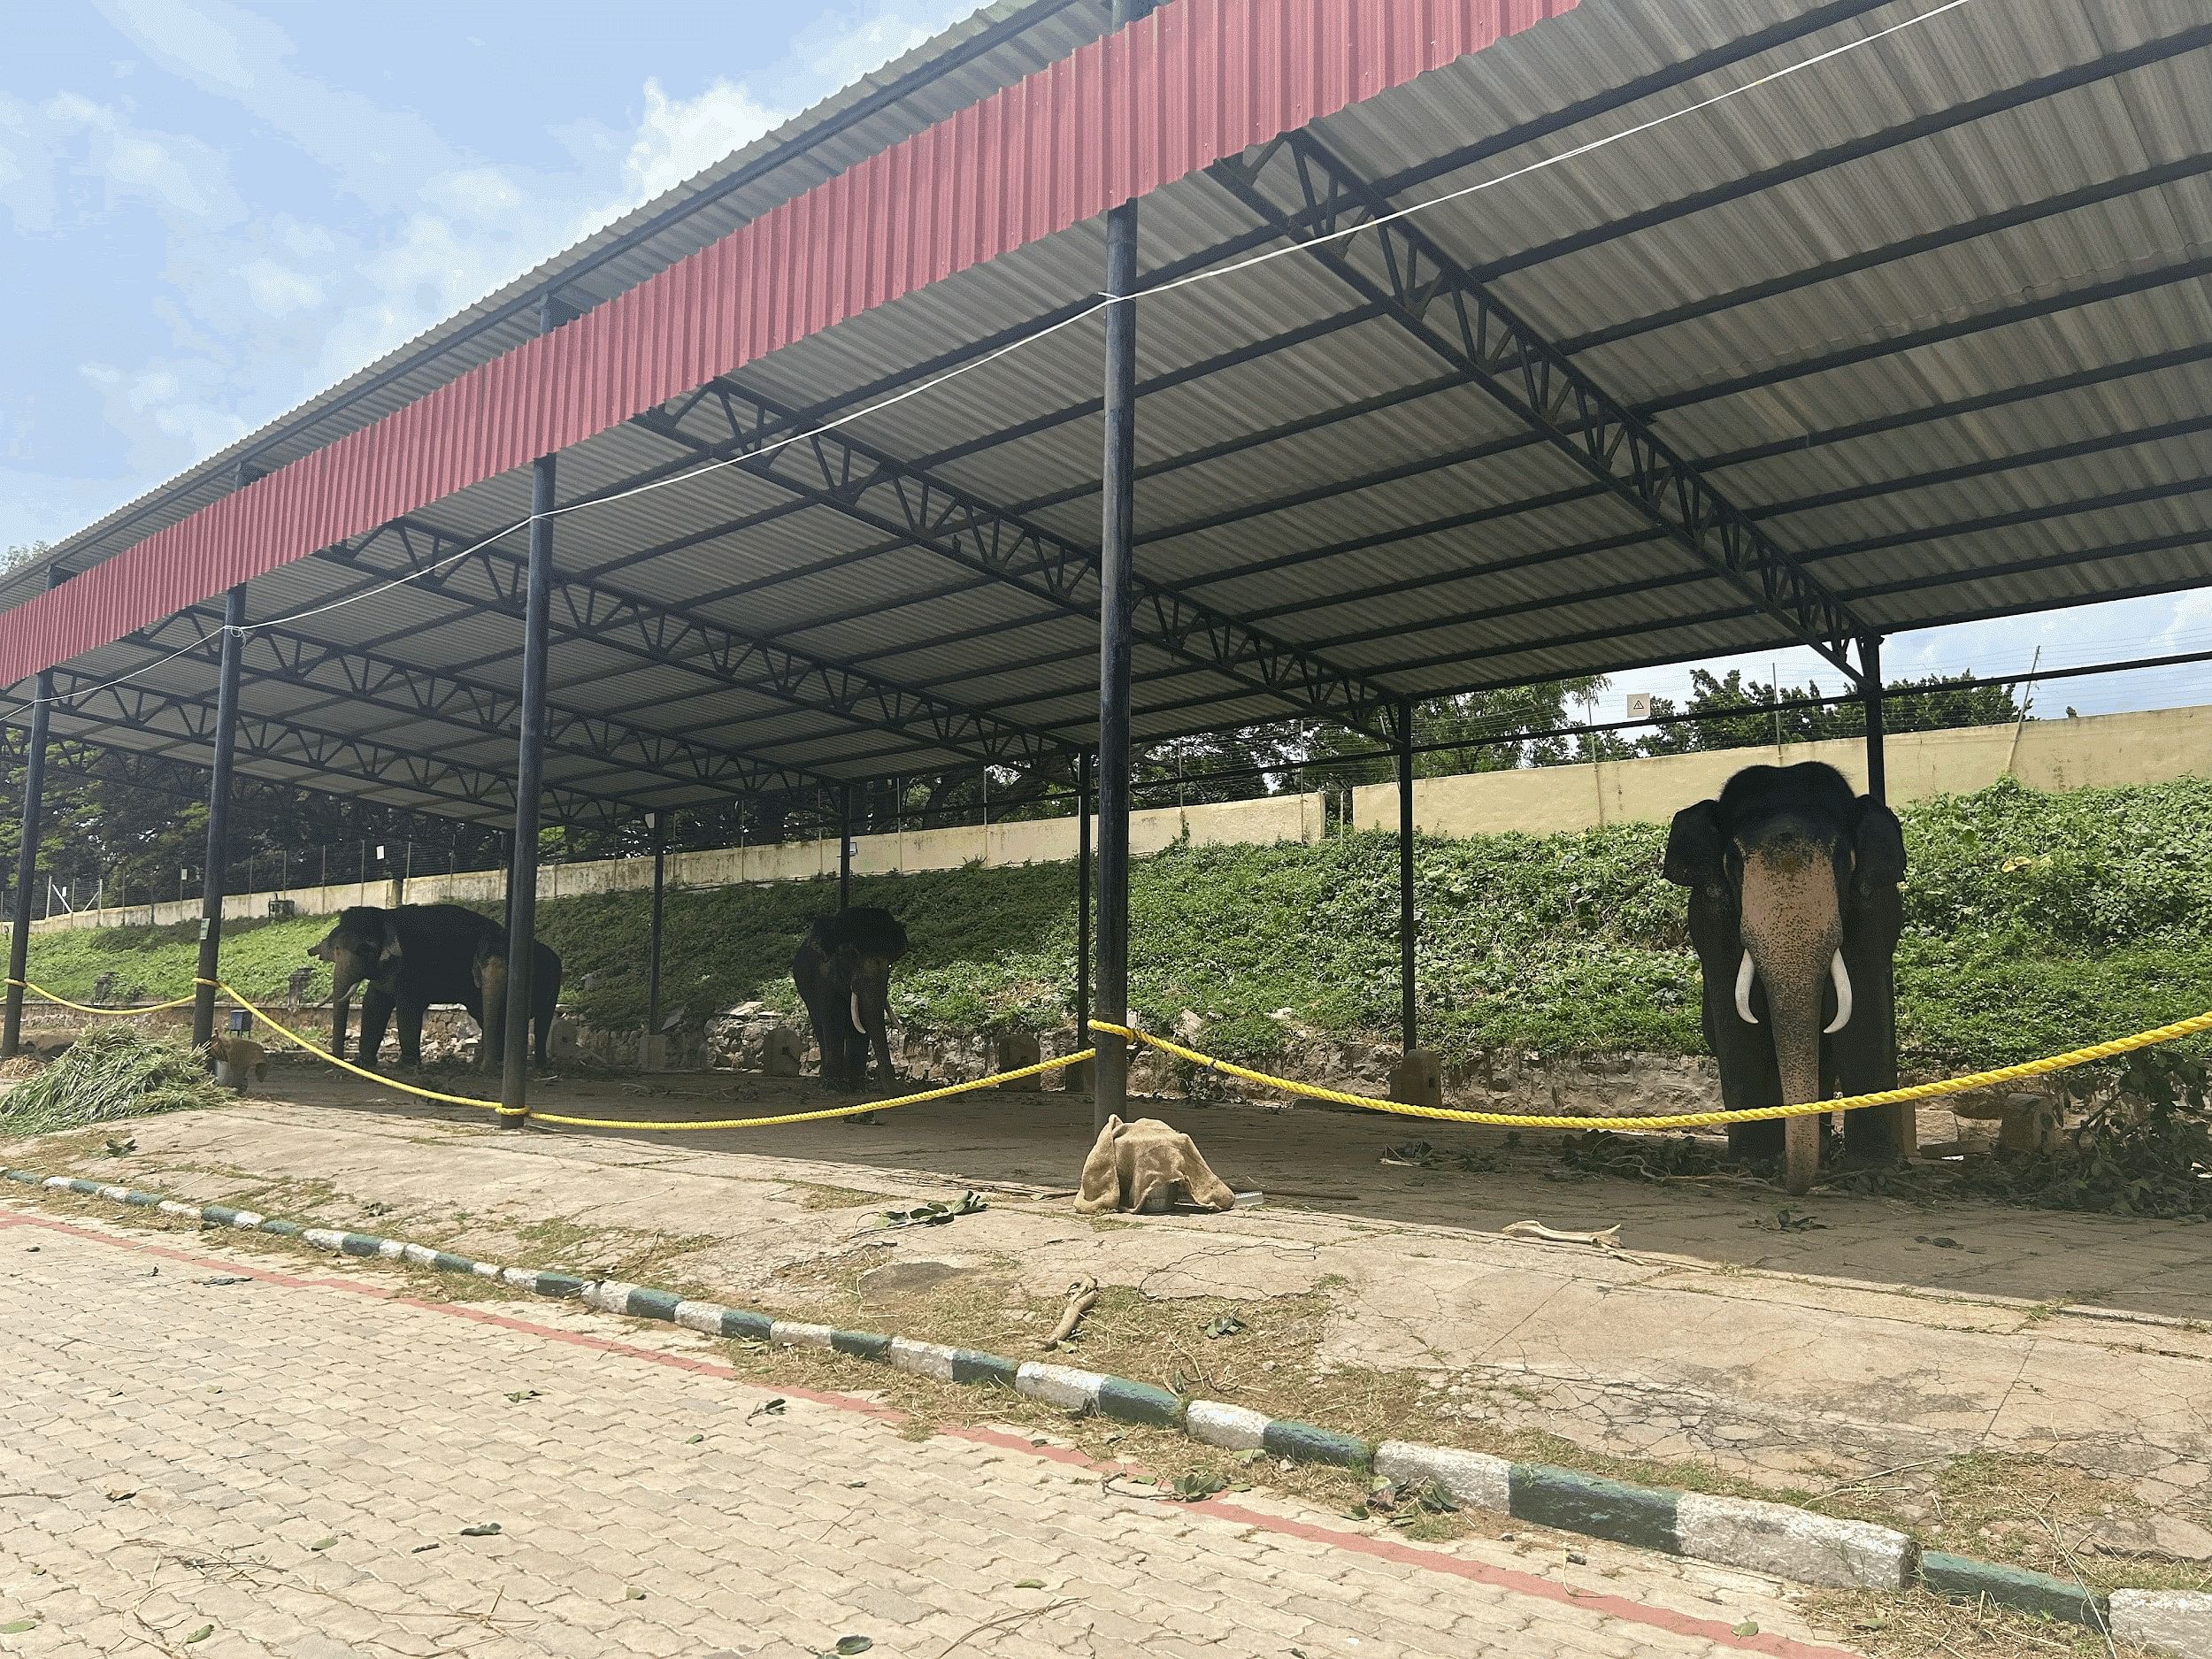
pixel 2035 922
pixel 113 1074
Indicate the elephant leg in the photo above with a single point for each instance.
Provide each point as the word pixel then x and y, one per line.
pixel 411 1034
pixel 376 1013
pixel 827 1036
pixel 341 1017
pixel 1749 1074
pixel 1866 1063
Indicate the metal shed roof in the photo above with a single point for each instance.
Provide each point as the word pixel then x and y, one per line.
pixel 1920 334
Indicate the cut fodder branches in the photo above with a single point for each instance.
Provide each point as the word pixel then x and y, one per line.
pixel 1642 1157
pixel 2144 1146
pixel 113 1073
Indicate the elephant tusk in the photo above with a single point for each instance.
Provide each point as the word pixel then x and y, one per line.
pixel 1743 992
pixel 857 1026
pixel 1842 977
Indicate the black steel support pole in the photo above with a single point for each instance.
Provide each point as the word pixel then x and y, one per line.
pixel 1116 548
pixel 653 963
pixel 522 878
pixel 844 846
pixel 26 865
pixel 1076 1077
pixel 1408 1030
pixel 1877 763
pixel 219 817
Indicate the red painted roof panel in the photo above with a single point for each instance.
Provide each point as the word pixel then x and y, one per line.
pixel 1196 81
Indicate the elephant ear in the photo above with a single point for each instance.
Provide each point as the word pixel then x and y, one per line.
pixel 389 955
pixel 1694 847
pixel 1879 843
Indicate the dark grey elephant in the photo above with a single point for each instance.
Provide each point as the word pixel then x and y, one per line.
pixel 410 958
pixel 1795 911
pixel 843 973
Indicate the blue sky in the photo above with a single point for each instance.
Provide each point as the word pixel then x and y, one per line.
pixel 209 211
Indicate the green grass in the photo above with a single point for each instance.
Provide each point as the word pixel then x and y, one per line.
pixel 2035 922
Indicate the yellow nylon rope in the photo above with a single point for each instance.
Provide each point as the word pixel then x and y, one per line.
pixel 1681 1120
pixel 653 1125
pixel 110 1013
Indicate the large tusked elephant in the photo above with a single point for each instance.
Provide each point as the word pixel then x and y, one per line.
pixel 419 955
pixel 1795 911
pixel 843 973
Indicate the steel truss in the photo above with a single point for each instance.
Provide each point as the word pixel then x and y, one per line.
pixel 1435 299
pixel 475 793
pixel 836 471
pixel 653 633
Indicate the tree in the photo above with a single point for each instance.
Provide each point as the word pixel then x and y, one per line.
pixel 1744 714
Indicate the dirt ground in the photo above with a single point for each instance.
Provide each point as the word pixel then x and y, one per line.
pixel 1998 1377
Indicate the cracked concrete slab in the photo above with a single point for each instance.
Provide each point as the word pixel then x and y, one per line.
pixel 1785 1356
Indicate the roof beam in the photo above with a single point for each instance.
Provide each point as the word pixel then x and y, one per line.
pixel 833 470
pixel 1437 300
pixel 477 794
pixel 653 633
pixel 277 656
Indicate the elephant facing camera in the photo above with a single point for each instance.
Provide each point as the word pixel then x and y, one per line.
pixel 1795 911
pixel 843 973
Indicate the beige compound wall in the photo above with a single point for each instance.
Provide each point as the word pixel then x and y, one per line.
pixel 1285 817
pixel 2065 753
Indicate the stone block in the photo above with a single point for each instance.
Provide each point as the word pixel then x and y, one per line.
pixel 652 1052
pixel 2029 1123
pixel 1417 1080
pixel 1013 1052
pixel 1792 1543
pixel 2178 1622
pixel 561 1046
pixel 1476 1480
pixel 780 1052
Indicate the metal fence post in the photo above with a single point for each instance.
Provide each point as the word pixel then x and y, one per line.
pixel 219 790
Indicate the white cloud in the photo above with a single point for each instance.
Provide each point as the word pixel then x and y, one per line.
pixel 278 290
pixel 173 400
pixel 677 138
pixel 186 180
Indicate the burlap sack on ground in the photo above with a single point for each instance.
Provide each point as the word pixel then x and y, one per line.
pixel 1134 1161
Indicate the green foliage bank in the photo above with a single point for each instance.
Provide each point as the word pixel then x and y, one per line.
pixel 2034 922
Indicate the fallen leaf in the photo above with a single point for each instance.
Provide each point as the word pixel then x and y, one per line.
pixel 118 1495
pixel 1227 1324
pixel 1749 1627
pixel 521 1395
pixel 1029 1584
pixel 767 1408
pixel 694 1439
pixel 849 1644
pixel 1577 1558
pixel 229 1279
pixel 323 1543
pixel 201 1635
pixel 420 1547
pixel 489 1529
pixel 634 1594
pixel 17 1626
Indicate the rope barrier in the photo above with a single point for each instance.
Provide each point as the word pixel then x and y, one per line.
pixel 653 1125
pixel 1681 1120
pixel 110 1013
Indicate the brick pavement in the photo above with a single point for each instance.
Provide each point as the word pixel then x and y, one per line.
pixel 646 1508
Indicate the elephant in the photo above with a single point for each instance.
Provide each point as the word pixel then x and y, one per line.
pixel 843 973
pixel 1795 911
pixel 416 955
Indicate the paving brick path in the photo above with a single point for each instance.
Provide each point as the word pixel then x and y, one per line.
pixel 290 1458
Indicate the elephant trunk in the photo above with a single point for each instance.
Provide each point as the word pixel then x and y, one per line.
pixel 1793 935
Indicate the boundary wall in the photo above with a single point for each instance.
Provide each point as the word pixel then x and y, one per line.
pixel 2070 753
pixel 1278 818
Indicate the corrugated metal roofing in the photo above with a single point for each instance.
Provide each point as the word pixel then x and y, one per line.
pixel 1937 316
